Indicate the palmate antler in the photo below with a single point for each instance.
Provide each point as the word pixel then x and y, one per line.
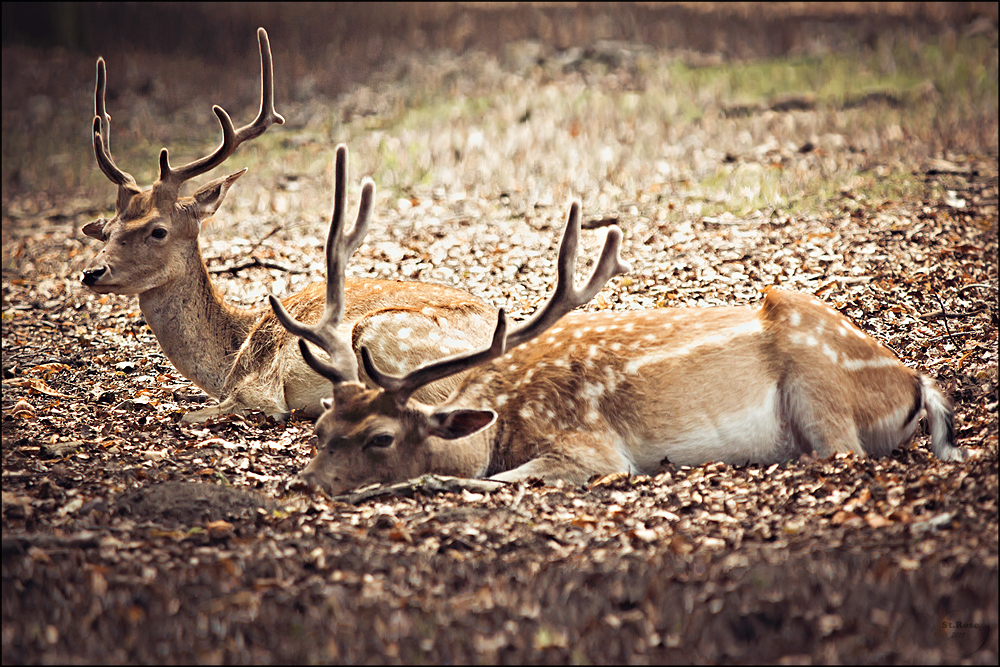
pixel 565 298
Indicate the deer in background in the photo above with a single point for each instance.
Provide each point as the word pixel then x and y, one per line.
pixel 243 357
pixel 570 396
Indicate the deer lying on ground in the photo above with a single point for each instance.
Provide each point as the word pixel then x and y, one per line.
pixel 570 396
pixel 242 356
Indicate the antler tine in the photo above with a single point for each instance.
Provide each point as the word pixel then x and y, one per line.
pixel 403 387
pixel 102 133
pixel 339 247
pixel 565 298
pixel 232 138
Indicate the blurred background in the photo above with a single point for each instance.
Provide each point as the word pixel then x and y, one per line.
pixel 423 91
pixel 341 43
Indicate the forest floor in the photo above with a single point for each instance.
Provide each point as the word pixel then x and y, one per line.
pixel 865 176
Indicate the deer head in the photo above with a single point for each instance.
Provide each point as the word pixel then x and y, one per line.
pixel 385 434
pixel 152 238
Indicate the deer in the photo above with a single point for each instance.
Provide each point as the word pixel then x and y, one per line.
pixel 572 395
pixel 243 357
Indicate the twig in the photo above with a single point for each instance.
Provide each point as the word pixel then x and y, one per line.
pixel 950 336
pixel 254 262
pixel 940 313
pixel 598 223
pixel 271 233
pixel 992 287
pixel 427 484
pixel 945 319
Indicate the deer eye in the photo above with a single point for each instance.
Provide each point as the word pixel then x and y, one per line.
pixel 159 233
pixel 379 441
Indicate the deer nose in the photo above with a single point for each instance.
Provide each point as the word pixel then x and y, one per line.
pixel 308 478
pixel 91 276
pixel 313 481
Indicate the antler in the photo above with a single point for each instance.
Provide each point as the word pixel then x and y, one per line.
pixel 102 134
pixel 231 138
pixel 565 298
pixel 339 247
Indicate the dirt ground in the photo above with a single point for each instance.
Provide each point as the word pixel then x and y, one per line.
pixel 131 537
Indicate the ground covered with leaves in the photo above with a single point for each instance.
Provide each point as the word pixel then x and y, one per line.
pixel 131 537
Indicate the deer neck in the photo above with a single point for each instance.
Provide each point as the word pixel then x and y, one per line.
pixel 199 332
pixel 481 454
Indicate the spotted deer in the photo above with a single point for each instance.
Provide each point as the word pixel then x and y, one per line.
pixel 570 396
pixel 243 357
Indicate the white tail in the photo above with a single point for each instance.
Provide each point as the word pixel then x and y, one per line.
pixel 606 392
pixel 244 357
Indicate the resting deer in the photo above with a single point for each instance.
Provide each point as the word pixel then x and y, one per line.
pixel 569 396
pixel 242 356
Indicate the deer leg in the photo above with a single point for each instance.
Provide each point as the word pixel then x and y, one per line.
pixel 236 405
pixel 817 424
pixel 578 457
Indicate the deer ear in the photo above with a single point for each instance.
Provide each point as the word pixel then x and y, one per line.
pixel 209 197
pixel 95 229
pixel 454 424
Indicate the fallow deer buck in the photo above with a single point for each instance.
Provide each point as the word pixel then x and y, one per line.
pixel 243 357
pixel 569 396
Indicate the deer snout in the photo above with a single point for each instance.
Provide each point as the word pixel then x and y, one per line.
pixel 313 480
pixel 89 277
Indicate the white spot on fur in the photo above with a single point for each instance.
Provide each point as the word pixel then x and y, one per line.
pixel 445 350
pixel 830 353
pixel 577 334
pixel 501 400
pixel 601 329
pixel 615 347
pixel 799 338
pixel 795 319
pixel 750 328
pixel 404 332
pixel 861 364
pixel 427 310
pixel 550 340
pixel 592 392
pixel 526 413
pixel 612 381
pixel 556 331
